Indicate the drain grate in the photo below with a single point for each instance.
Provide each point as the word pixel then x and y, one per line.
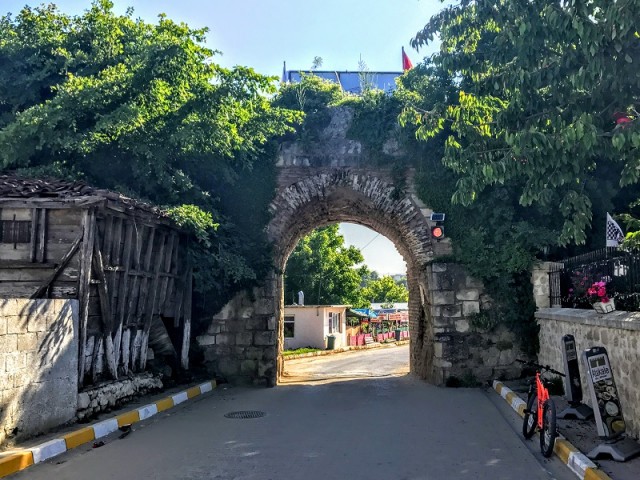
pixel 245 414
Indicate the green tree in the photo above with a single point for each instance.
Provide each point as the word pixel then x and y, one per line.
pixel 325 270
pixel 385 290
pixel 547 92
pixel 143 109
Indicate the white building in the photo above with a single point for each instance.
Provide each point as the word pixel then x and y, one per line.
pixel 310 325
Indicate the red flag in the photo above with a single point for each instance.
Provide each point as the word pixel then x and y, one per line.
pixel 406 63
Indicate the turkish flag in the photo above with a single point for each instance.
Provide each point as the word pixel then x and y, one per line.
pixel 406 63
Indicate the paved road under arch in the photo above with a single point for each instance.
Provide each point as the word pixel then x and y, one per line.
pixel 385 428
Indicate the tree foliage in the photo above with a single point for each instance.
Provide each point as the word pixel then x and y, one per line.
pixel 385 290
pixel 325 270
pixel 143 109
pixel 542 87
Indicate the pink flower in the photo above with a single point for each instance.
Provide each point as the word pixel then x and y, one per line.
pixel 604 299
pixel 602 292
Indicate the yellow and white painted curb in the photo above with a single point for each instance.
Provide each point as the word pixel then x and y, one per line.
pixel 19 460
pixel 577 461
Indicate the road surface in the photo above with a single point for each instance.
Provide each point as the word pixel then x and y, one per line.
pixel 384 428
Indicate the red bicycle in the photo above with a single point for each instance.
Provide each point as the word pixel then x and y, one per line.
pixel 541 409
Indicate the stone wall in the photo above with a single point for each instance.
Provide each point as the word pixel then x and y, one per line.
pixel 618 332
pixel 38 365
pixel 112 394
pixel 466 349
pixel 240 342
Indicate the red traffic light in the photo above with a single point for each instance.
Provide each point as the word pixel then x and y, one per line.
pixel 437 232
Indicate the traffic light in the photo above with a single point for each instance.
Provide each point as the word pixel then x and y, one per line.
pixel 437 230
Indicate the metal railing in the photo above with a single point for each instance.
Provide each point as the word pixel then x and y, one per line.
pixel 619 269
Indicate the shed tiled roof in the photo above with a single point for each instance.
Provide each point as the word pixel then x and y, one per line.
pixel 17 187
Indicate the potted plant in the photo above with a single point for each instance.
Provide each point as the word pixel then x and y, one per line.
pixel 597 295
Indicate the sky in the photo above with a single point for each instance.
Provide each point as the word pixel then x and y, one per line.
pixel 263 34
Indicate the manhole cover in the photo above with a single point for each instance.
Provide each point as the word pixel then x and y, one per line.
pixel 245 414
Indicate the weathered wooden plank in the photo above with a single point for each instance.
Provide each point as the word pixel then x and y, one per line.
pixel 113 275
pixel 139 234
pixel 164 272
pixel 186 331
pixel 59 203
pixel 179 300
pixel 105 307
pixel 88 228
pixel 145 282
pixel 107 239
pixel 153 300
pixel 97 354
pixel 135 349
pixel 63 263
pixel 21 251
pixel 172 289
pixel 42 236
pixel 60 218
pixel 35 213
pixel 63 233
pixel 126 350
pixel 22 214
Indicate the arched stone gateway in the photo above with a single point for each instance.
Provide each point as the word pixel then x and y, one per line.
pixel 328 184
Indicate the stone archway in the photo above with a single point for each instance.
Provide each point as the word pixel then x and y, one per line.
pixel 334 181
pixel 344 195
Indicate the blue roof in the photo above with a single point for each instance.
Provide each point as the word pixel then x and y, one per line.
pixel 349 81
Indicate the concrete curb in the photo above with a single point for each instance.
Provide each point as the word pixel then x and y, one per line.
pixel 577 461
pixel 19 460
pixel 322 353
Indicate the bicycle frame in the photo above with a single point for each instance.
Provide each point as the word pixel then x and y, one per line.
pixel 543 396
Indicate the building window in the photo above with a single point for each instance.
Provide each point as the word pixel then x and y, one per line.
pixel 15 231
pixel 289 326
pixel 335 324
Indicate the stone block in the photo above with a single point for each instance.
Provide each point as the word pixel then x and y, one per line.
pixel 247 312
pixel 204 340
pixel 256 323
pixel 16 324
pixel 253 353
pixel 244 338
pixel 37 323
pixel 83 400
pixel 225 339
pixel 443 298
pixel 471 282
pixel 228 366
pixel 462 326
pixel 7 382
pixel 9 307
pixel 265 369
pixel 8 343
pixel 438 267
pixel 3 325
pixel 15 362
pixel 441 281
pixel 272 323
pixel 451 311
pixel 214 328
pixel 264 338
pixel 27 342
pixel 468 294
pixel 248 367
pixel 264 306
pixel 470 308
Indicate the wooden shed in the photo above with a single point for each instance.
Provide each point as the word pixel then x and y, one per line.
pixel 124 260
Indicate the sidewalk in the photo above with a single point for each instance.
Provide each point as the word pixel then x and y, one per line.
pixel 579 436
pixel 51 445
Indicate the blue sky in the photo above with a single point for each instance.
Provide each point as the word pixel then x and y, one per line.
pixel 264 33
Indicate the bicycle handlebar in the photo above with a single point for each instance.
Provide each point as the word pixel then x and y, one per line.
pixel 540 367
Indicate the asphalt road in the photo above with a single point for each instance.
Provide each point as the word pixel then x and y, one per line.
pixel 386 427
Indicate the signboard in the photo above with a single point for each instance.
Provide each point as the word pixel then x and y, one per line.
pixel 604 394
pixel 572 384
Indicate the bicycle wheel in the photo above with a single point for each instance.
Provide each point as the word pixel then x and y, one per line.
pixel 530 417
pixel 549 433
